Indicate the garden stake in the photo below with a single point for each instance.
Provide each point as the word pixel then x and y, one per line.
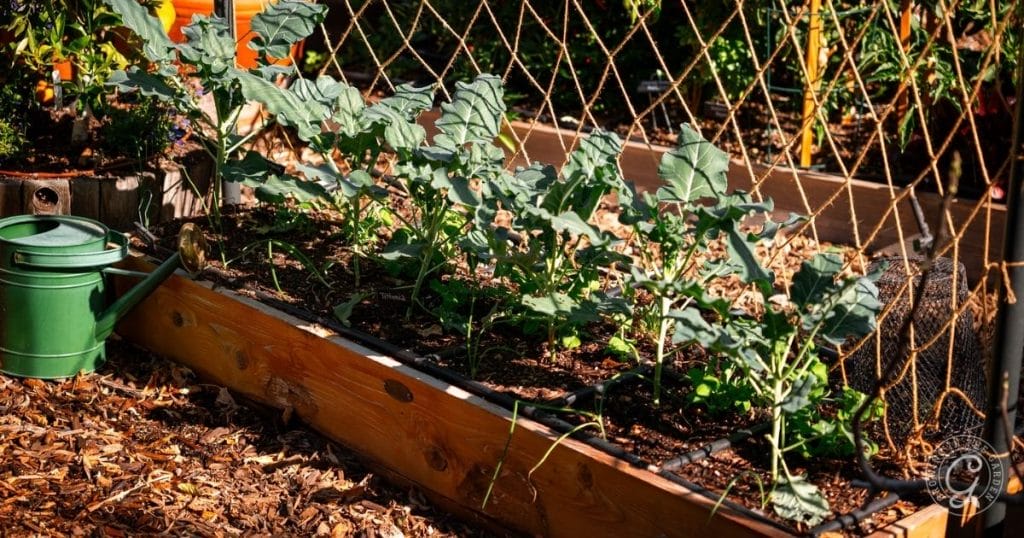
pixel 1009 339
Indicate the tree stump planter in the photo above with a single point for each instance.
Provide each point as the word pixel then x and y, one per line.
pixel 116 200
pixel 419 430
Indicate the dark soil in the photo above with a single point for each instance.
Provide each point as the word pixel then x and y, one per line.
pixel 143 448
pixel 519 365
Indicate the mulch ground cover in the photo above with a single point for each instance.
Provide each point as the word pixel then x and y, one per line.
pixel 142 447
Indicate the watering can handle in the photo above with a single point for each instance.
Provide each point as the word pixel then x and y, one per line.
pixel 78 260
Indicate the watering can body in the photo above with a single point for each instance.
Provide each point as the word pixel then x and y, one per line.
pixel 55 306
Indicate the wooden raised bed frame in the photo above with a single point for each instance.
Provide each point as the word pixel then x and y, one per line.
pixel 842 209
pixel 419 430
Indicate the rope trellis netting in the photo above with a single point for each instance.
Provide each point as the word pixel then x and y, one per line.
pixel 888 124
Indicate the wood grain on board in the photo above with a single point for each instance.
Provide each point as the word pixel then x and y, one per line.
pixel 427 432
pixel 420 430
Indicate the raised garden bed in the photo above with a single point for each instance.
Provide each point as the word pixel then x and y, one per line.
pixel 422 430
pixel 844 210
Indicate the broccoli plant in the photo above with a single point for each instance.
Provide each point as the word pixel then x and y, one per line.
pixel 356 135
pixel 447 182
pixel 549 249
pixel 676 226
pixel 779 355
pixel 180 74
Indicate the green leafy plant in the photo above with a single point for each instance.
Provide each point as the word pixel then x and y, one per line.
pixel 676 266
pixel 549 249
pixel 205 64
pixel 472 311
pixel 139 130
pixel 779 355
pixel 361 134
pixel 447 181
pixel 720 387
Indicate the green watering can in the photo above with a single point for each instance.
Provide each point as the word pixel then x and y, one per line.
pixel 55 309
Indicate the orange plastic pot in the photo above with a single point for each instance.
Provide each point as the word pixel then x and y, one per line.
pixel 244 11
pixel 66 69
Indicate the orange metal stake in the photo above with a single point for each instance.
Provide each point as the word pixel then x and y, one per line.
pixel 813 83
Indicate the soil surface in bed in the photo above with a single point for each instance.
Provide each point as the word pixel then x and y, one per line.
pixel 516 364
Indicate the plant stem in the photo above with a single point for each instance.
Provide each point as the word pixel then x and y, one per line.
pixel 776 439
pixel 663 322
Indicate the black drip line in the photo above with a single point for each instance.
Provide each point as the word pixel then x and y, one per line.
pixel 666 470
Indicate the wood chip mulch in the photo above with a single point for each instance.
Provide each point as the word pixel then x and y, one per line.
pixel 143 447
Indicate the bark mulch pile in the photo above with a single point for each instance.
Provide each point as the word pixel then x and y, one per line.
pixel 142 447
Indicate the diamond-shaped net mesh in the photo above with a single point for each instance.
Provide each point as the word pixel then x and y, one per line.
pixel 857 114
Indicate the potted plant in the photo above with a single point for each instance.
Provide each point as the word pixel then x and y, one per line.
pixel 75 138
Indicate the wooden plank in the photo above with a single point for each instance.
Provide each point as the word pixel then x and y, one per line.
pixel 177 195
pixel 85 197
pixel 127 199
pixel 430 433
pixel 927 523
pixel 10 197
pixel 45 196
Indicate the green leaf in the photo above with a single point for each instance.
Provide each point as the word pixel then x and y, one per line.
pixel 695 169
pixel 278 188
pixel 408 101
pixel 691 327
pixel 474 115
pixel 157 46
pixel 343 311
pixel 799 500
pixel 252 169
pixel 853 313
pixel 305 116
pixel 597 157
pixel 137 80
pixel 572 223
pixel 800 395
pixel 282 24
pixel 743 257
pixel 620 347
pixel 324 90
pixel 209 45
pixel 815 279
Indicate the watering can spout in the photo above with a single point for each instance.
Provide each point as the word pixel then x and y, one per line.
pixel 106 321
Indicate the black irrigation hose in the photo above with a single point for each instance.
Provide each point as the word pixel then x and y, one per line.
pixel 855 516
pixel 588 392
pixel 480 390
pixel 713 447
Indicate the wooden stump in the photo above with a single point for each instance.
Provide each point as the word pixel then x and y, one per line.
pixel 45 197
pixel 10 197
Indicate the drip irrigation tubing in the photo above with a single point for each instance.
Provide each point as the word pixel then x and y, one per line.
pixel 507 402
pixel 713 447
pixel 588 392
pixel 855 516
